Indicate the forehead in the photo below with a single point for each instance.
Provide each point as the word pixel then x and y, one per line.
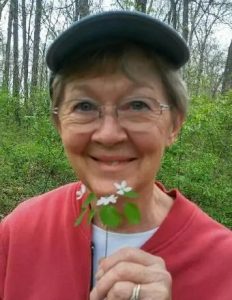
pixel 113 88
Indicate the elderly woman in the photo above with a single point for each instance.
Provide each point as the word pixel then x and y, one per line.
pixel 118 102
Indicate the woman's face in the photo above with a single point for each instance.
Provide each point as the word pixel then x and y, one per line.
pixel 108 151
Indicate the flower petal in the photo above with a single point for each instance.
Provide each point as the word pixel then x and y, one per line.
pixel 117 185
pixel 81 192
pixel 78 195
pixel 120 192
pixel 127 189
pixel 99 202
pixel 83 189
pixel 123 184
pixel 102 201
pixel 113 199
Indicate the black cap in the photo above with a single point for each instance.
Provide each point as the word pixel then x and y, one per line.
pixel 109 27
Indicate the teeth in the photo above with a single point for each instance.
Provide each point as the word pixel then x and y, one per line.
pixel 113 163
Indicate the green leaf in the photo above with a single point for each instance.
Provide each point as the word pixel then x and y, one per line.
pixel 132 213
pixel 91 197
pixel 91 215
pixel 80 218
pixel 110 216
pixel 131 194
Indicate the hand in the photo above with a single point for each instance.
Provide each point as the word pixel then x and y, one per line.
pixel 119 273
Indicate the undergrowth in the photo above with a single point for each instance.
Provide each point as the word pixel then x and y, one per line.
pixel 32 159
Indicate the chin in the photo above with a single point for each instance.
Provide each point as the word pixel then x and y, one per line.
pixel 102 189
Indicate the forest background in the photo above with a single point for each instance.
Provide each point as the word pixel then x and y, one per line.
pixel 31 155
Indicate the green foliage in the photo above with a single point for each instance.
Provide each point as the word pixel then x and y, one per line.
pixel 85 208
pixel 199 164
pixel 32 160
pixel 131 194
pixel 31 156
pixel 132 213
pixel 110 216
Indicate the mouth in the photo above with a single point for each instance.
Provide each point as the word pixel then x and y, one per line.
pixel 112 161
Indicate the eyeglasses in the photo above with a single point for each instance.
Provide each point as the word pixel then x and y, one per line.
pixel 134 114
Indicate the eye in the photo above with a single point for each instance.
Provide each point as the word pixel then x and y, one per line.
pixel 84 106
pixel 135 105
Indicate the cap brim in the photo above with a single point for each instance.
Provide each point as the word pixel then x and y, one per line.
pixel 109 27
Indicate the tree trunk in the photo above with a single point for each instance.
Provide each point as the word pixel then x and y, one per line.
pixel 81 9
pixel 141 5
pixel 193 23
pixel 173 14
pixel 227 77
pixel 16 83
pixel 36 45
pixel 15 49
pixel 6 72
pixel 185 25
pixel 2 5
pixel 76 13
pixel 84 8
pixel 25 50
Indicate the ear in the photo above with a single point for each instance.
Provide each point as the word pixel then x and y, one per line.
pixel 177 122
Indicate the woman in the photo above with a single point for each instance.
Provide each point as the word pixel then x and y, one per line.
pixel 118 102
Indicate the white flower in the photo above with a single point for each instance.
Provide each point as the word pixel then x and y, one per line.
pixel 122 187
pixel 81 192
pixel 107 200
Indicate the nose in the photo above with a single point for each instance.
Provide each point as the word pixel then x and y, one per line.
pixel 109 131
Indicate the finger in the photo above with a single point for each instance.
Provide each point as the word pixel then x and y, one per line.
pixel 130 272
pixel 100 260
pixel 132 255
pixel 155 291
pixel 114 280
pixel 124 291
pixel 121 291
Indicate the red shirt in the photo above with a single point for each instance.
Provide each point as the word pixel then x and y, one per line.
pixel 44 256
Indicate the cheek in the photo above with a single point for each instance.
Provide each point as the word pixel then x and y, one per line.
pixel 153 141
pixel 74 143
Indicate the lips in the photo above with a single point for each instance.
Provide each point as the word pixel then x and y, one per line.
pixel 112 161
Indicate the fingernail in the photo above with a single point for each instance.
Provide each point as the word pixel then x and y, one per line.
pixel 99 274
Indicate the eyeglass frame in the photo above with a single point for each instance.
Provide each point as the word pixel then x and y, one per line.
pixel 162 107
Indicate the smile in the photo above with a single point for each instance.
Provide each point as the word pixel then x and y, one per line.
pixel 112 162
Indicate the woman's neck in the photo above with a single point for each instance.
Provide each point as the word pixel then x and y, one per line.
pixel 154 206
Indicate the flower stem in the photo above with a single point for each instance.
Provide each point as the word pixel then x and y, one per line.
pixel 106 242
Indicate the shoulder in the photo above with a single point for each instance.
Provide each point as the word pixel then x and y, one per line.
pixel 206 234
pixel 43 208
pixel 208 244
pixel 186 219
pixel 190 232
